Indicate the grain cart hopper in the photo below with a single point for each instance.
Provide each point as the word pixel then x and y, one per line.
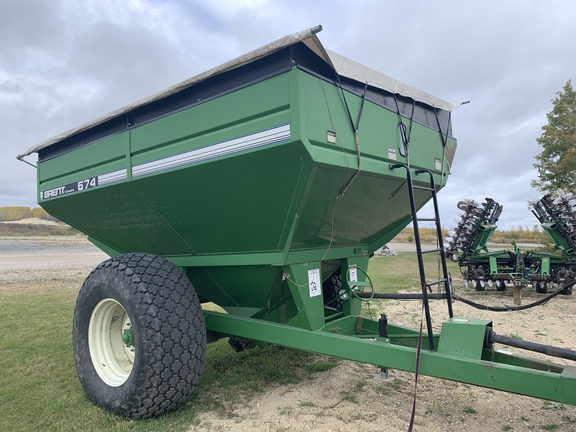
pixel 264 186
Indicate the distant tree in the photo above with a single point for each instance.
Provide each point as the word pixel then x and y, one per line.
pixel 15 213
pixel 556 163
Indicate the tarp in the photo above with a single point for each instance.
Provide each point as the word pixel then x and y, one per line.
pixel 342 65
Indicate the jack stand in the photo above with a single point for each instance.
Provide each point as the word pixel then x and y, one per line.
pixel 383 376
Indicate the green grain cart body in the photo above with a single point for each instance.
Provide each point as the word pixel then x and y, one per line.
pixel 234 175
pixel 264 186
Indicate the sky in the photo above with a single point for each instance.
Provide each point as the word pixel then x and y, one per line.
pixel 65 62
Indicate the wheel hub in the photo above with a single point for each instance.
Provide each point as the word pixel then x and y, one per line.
pixel 111 342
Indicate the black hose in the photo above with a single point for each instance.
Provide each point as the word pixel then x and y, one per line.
pixel 492 337
pixel 401 296
pixel 442 296
pixel 512 308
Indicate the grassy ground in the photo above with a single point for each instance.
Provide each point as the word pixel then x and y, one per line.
pixel 400 272
pixel 39 389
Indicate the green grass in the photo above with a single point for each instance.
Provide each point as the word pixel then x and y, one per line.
pixel 391 274
pixel 39 389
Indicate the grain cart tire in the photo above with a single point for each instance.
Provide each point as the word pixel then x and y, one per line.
pixel 331 291
pixel 139 336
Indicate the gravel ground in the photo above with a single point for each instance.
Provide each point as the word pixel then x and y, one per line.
pixel 40 264
pixel 41 245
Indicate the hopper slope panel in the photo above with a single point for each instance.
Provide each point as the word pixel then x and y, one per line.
pixel 242 290
pixel 119 217
pixel 234 205
pixel 230 205
pixel 372 207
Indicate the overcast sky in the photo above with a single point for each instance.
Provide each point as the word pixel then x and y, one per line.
pixel 65 62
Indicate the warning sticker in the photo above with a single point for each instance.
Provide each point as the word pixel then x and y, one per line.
pixel 314 282
pixel 353 276
pixel 437 164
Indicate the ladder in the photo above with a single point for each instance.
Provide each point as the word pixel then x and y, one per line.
pixel 425 285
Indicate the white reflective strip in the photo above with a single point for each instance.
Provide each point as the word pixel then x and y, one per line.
pixel 112 177
pixel 236 145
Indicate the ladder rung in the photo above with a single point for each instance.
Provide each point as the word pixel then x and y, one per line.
pixel 424 188
pixel 436 282
pixel 427 220
pixel 431 250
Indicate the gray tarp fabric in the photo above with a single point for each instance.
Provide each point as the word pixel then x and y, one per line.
pixel 342 65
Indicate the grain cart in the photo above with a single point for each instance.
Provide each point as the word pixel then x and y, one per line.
pixel 264 186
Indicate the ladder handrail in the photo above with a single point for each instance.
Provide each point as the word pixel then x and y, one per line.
pixel 439 235
pixel 417 241
pixel 423 284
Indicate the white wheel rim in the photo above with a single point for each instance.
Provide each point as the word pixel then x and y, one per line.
pixel 112 359
pixel 490 283
pixel 466 283
pixel 482 283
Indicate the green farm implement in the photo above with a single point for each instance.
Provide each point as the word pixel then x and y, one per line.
pixel 263 186
pixel 467 245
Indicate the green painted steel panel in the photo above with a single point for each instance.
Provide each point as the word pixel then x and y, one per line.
pixel 463 337
pixel 244 181
pixel 109 155
pixel 245 202
pixel 257 107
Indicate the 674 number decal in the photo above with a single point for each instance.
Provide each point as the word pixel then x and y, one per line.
pixel 81 185
pixel 88 183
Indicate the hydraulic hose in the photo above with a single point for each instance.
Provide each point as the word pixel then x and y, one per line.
pixel 442 296
pixel 508 308
pixel 492 337
pixel 401 296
